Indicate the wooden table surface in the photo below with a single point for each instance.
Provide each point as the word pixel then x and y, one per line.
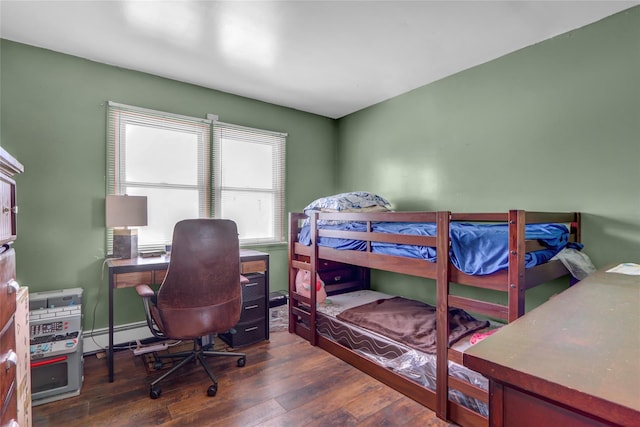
pixel 580 349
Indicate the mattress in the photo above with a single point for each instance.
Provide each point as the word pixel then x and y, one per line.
pixel 413 364
pixel 476 249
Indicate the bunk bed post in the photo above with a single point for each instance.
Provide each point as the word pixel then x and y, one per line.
pixel 574 231
pixel 442 313
pixel 313 271
pixel 517 249
pixel 293 237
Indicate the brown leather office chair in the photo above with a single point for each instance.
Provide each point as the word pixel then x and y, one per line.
pixel 201 293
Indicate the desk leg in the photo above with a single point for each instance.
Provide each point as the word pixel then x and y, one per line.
pixel 110 349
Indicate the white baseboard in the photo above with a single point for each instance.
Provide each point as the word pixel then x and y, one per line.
pixel 98 339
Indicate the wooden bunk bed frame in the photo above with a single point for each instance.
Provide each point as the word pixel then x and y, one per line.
pixel 514 281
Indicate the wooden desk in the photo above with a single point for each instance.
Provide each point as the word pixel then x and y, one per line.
pixel 126 273
pixel 573 361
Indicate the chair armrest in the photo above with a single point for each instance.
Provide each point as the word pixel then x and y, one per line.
pixel 147 294
pixel 244 279
pixel 144 291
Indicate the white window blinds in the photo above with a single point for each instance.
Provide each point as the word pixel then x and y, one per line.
pixel 190 167
pixel 165 157
pixel 249 181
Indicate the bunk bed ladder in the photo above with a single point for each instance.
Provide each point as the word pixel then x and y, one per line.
pixel 442 313
pixel 293 237
pixel 298 307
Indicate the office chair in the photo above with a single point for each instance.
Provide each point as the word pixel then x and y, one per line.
pixel 200 295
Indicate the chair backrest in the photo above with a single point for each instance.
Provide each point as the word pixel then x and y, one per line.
pixel 201 293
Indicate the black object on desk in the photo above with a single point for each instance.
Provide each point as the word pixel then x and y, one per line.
pixel 151 254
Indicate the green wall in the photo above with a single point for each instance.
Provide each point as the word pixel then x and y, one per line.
pixel 53 122
pixel 553 127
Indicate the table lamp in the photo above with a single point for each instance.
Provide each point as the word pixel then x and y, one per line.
pixel 125 211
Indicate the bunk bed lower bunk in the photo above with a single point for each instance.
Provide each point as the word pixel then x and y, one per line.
pixel 384 342
pixel 455 394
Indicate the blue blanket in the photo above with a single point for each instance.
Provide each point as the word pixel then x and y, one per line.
pixel 476 249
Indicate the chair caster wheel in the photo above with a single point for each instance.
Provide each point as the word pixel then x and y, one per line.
pixel 155 392
pixel 212 390
pixel 242 361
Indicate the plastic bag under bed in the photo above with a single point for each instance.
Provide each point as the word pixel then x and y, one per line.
pixel 420 368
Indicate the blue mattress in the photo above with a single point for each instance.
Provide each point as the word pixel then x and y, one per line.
pixel 476 249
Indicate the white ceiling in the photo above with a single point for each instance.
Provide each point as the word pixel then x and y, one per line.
pixel 325 57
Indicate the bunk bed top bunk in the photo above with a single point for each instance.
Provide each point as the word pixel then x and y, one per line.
pixel 509 252
pixel 374 238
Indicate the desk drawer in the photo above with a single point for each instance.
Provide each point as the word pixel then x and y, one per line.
pixel 253 310
pixel 257 266
pixel 255 288
pixel 128 280
pixel 246 333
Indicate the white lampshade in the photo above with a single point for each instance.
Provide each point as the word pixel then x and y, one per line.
pixel 126 211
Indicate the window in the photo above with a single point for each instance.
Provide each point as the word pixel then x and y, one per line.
pixel 248 181
pixel 185 173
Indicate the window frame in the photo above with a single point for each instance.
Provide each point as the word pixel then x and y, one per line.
pixel 277 142
pixel 118 115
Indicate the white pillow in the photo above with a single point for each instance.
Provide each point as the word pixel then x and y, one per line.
pixel 357 201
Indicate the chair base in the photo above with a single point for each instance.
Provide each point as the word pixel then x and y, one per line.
pixel 198 353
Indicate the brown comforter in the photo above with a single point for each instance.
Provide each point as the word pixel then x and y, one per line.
pixel 410 322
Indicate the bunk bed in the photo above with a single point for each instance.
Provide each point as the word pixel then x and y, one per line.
pixel 317 244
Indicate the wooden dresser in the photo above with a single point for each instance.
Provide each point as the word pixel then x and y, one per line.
pixel 573 361
pixel 9 356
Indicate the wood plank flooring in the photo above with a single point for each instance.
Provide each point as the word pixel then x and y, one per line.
pixel 286 382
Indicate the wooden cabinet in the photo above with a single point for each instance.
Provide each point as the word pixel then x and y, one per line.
pixel 338 277
pixel 254 322
pixel 9 356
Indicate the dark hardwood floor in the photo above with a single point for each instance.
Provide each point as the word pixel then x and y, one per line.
pixel 286 382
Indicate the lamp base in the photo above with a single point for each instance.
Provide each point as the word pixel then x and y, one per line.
pixel 125 243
